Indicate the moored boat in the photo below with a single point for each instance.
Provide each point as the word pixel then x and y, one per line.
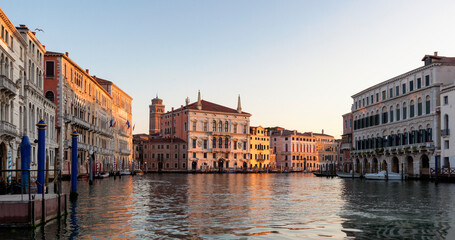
pixel 324 174
pixel 138 172
pixel 383 175
pixel 348 175
pixel 125 173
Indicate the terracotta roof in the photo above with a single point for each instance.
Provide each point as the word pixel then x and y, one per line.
pixel 102 81
pixel 439 59
pixel 290 132
pixel 53 53
pixel 166 140
pixel 210 107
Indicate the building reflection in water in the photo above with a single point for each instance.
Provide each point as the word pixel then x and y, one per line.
pixel 395 209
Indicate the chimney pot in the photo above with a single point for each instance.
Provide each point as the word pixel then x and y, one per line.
pixel 87 71
pixel 66 53
pixel 435 54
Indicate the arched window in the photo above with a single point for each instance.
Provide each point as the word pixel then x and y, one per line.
pixel 50 95
pixel 427 105
pixel 226 143
pixel 214 142
pixel 391 114
pixel 220 126
pixel 220 143
pixel 446 122
pixel 405 113
pixel 384 115
pixel 226 126
pixel 411 109
pixel 419 107
pixel 214 125
pixel 397 110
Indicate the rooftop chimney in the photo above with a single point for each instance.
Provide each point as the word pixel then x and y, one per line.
pixel 66 53
pixel 86 70
pixel 435 54
pixel 322 131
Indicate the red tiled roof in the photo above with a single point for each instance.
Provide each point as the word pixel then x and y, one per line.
pixel 102 81
pixel 166 140
pixel 212 107
pixel 439 59
pixel 53 53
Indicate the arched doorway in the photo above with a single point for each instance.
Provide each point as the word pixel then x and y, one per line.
pixel 357 166
pixel 245 165
pixel 375 165
pixel 365 166
pixel 220 164
pixel 384 165
pixel 194 165
pixel 410 166
pixel 424 165
pixel 395 165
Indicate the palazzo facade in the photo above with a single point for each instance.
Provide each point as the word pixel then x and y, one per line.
pixel 397 122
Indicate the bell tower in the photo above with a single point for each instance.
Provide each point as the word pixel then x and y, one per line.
pixel 156 109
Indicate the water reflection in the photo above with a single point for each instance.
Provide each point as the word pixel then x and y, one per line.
pixel 377 209
pixel 251 206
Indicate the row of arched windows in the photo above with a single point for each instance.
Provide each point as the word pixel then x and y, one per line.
pixel 393 139
pixel 395 113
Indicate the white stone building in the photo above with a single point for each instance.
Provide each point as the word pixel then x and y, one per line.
pixel 397 123
pixel 22 103
pixel 447 123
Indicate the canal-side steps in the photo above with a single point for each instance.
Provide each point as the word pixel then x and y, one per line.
pixel 30 211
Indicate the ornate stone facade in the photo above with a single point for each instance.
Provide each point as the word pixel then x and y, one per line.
pixel 216 136
pixel 397 122
pixel 22 103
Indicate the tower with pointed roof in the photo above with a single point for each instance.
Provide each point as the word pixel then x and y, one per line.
pixel 156 109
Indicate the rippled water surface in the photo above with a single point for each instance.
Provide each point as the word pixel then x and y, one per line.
pixel 252 206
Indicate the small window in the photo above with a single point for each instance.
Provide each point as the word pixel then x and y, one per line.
pixel 383 95
pixel 446 100
pixel 427 80
pixel 50 69
pixel 391 93
pixel 419 83
pixel 403 88
pixel 446 144
pixel 411 86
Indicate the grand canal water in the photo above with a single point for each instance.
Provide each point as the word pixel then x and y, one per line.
pixel 253 206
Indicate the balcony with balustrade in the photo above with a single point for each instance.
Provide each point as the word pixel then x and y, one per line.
pixel 7 130
pixel 7 86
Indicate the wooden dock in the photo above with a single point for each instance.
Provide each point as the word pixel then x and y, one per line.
pixel 16 210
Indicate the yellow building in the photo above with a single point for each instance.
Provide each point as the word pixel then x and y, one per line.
pixel 260 155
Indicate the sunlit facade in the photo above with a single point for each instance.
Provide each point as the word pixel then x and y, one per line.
pixel 82 106
pixel 293 150
pixel 216 136
pixel 397 122
pixel 260 148
pixel 122 124
pixel 326 148
pixel 22 103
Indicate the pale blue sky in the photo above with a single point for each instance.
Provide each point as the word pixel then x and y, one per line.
pixel 294 63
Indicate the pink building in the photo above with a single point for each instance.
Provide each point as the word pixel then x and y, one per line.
pixel 216 136
pixel 294 151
